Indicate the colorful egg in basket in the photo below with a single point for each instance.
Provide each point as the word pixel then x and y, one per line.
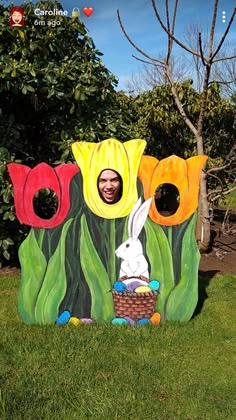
pixel 132 304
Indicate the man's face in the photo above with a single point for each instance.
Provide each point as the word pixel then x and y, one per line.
pixel 109 186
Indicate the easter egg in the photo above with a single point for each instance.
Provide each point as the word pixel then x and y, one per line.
pixel 143 321
pixel 132 279
pixel 155 318
pixel 119 321
pixel 86 320
pixel 154 284
pixel 133 285
pixel 130 320
pixel 142 289
pixel 63 318
pixel 74 321
pixel 119 286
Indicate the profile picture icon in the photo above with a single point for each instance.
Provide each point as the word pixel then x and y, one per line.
pixel 17 16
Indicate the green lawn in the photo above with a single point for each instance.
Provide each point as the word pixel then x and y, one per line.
pixel 176 371
pixel 229 201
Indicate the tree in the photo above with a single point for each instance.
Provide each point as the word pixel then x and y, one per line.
pixel 207 61
pixel 54 87
pixel 157 119
pixel 54 90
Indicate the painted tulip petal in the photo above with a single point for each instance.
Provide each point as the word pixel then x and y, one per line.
pixel 42 176
pixel 172 170
pixel 123 158
pixel 145 172
pixel 65 173
pixel 184 174
pixel 18 174
pixel 28 181
pixel 194 167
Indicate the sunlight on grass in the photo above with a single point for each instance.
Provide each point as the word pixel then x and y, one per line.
pixel 229 201
pixel 176 371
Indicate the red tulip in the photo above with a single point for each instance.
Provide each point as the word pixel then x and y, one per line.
pixel 28 181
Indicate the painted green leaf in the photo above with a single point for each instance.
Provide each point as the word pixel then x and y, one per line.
pixel 160 258
pixel 183 299
pixel 33 267
pixel 177 237
pixel 102 308
pixel 54 285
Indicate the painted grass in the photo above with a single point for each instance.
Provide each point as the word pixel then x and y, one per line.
pixel 176 371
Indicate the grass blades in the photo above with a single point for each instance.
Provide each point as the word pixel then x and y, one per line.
pixel 177 371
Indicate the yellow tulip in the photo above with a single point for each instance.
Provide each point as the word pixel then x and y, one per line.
pixel 124 158
pixel 184 174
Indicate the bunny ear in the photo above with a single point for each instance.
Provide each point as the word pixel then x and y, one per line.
pixel 140 218
pixel 131 216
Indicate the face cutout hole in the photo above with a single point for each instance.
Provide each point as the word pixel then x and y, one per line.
pixel 45 203
pixel 167 199
pixel 110 186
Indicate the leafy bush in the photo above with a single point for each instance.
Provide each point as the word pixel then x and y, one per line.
pixel 12 232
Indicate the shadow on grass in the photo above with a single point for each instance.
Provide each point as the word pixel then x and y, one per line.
pixel 204 280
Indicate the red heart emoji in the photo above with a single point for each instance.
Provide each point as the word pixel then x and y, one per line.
pixel 88 11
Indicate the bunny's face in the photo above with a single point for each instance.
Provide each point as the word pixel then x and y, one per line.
pixel 130 249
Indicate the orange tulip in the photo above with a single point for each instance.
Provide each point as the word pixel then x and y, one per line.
pixel 183 174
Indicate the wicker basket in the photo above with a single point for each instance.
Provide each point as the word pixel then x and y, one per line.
pixel 136 305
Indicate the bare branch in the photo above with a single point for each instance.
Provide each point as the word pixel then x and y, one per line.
pixel 148 62
pixel 200 47
pixel 178 103
pixel 168 27
pixel 174 18
pixel 218 179
pixel 170 34
pixel 212 33
pixel 224 58
pixel 170 40
pixel 215 169
pixel 221 82
pixel 133 44
pixel 225 34
pixel 222 193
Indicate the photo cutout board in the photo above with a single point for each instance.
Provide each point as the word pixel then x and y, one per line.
pixel 120 246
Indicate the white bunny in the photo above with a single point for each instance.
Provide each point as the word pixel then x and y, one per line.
pixel 131 251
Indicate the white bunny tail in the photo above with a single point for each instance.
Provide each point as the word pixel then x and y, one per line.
pixel 139 218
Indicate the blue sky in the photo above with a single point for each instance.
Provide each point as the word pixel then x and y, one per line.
pixel 142 26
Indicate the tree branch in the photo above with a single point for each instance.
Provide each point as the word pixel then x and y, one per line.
pixel 213 24
pixel 224 58
pixel 215 169
pixel 133 44
pixel 200 47
pixel 170 40
pixel 161 64
pixel 225 34
pixel 221 82
pixel 222 193
pixel 178 103
pixel 170 34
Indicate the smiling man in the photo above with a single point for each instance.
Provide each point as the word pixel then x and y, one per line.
pixel 110 186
